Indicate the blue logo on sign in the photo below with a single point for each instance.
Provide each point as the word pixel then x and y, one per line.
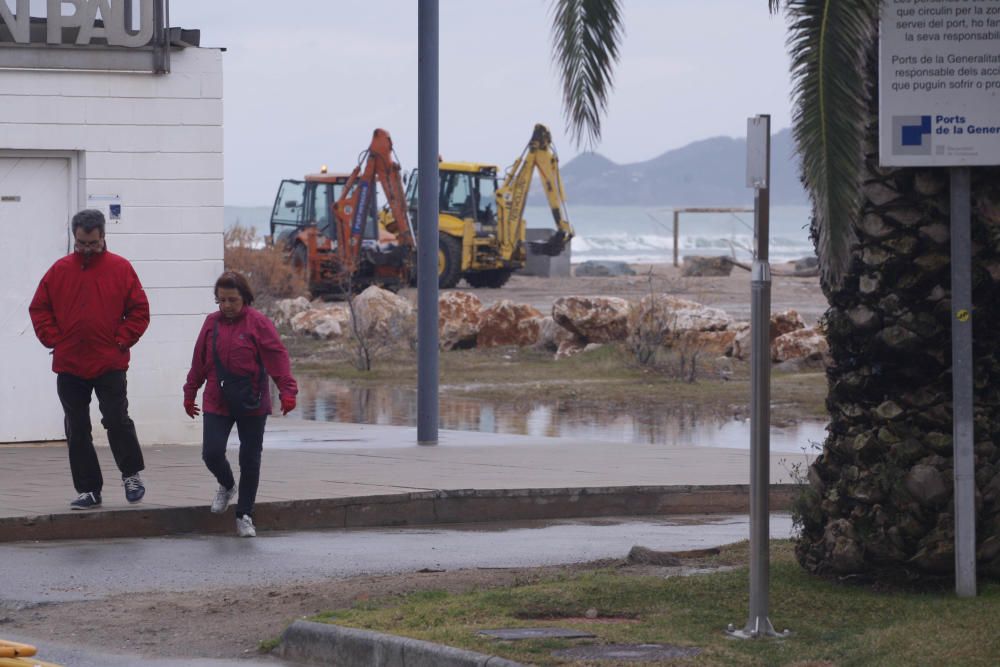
pixel 913 135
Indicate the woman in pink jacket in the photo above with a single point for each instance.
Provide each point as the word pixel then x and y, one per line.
pixel 237 349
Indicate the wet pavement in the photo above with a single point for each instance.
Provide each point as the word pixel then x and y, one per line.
pixel 37 573
pixel 306 460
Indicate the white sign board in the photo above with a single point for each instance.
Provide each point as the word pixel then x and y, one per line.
pixel 757 145
pixel 109 205
pixel 939 83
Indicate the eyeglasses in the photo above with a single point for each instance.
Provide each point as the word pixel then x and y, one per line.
pixel 88 245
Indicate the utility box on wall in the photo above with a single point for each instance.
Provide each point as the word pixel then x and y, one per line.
pixel 139 136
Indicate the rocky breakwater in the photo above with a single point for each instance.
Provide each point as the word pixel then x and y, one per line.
pixel 654 323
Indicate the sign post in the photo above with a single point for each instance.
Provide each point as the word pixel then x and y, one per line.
pixel 758 177
pixel 428 360
pixel 939 106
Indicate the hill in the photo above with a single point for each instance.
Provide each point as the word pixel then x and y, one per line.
pixel 703 173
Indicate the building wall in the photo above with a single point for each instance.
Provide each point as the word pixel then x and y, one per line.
pixel 157 142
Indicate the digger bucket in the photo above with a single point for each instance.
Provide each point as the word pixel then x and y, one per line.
pixel 552 247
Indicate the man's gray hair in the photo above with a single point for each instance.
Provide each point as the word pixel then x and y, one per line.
pixel 88 219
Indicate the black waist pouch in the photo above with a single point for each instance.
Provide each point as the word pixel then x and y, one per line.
pixel 237 390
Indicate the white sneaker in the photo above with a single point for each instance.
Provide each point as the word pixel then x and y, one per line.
pixel 244 526
pixel 222 499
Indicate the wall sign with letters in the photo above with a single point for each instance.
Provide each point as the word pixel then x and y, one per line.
pixel 75 31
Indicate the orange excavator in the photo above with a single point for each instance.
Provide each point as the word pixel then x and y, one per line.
pixel 328 226
pixel 356 206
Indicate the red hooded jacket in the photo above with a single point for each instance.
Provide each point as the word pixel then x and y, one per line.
pixel 91 309
pixel 240 341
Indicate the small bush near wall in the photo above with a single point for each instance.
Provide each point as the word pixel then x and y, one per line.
pixel 267 269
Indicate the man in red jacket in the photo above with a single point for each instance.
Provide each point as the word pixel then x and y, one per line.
pixel 90 308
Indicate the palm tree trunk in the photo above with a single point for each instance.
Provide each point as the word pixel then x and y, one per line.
pixel 880 496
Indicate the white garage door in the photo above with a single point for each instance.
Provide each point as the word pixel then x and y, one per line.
pixel 34 217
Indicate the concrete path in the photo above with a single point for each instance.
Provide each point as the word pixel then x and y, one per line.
pixel 305 461
pixel 37 573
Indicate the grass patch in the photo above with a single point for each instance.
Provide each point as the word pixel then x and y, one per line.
pixel 833 623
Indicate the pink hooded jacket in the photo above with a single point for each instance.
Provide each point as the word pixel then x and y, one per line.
pixel 240 340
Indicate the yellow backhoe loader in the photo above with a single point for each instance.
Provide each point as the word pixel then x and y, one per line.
pixel 481 224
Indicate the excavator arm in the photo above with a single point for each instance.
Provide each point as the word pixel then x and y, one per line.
pixel 512 195
pixel 357 198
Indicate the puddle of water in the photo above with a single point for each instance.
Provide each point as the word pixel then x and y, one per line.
pixel 678 426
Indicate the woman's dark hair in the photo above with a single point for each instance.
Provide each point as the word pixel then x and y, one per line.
pixel 236 281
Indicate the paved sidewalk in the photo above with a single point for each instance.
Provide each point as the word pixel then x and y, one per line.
pixel 306 460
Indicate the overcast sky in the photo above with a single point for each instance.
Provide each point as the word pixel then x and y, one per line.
pixel 306 81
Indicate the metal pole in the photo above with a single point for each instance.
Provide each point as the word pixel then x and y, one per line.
pixel 677 225
pixel 759 625
pixel 961 383
pixel 427 218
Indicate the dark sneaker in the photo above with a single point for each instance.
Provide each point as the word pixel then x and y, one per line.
pixel 86 501
pixel 134 489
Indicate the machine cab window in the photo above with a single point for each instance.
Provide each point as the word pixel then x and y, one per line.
pixel 318 210
pixel 287 214
pixel 458 195
pixel 485 195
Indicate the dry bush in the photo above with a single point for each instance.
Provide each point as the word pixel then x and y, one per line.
pixel 655 342
pixel 266 267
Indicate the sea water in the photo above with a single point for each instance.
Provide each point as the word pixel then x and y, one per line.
pixel 642 235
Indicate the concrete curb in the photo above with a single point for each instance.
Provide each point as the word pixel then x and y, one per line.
pixel 403 509
pixel 326 644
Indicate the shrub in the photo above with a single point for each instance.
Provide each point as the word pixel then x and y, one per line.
pixel 266 267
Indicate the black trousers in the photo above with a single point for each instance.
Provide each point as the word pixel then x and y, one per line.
pixel 216 429
pixel 112 399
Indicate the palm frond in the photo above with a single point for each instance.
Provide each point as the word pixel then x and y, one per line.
pixel 586 35
pixel 828 41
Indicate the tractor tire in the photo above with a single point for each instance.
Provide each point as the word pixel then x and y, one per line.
pixel 492 278
pixel 449 260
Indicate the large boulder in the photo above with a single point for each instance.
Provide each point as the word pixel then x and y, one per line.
pixel 384 319
pixel 599 319
pixel 742 342
pixel 458 319
pixel 283 310
pixel 552 337
pixel 707 343
pixel 508 323
pixel 602 268
pixel 706 267
pixel 661 316
pixel 569 348
pixel 781 323
pixel 800 344
pixel 785 322
pixel 329 321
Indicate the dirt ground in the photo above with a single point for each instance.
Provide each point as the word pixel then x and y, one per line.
pixel 731 293
pixel 232 622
